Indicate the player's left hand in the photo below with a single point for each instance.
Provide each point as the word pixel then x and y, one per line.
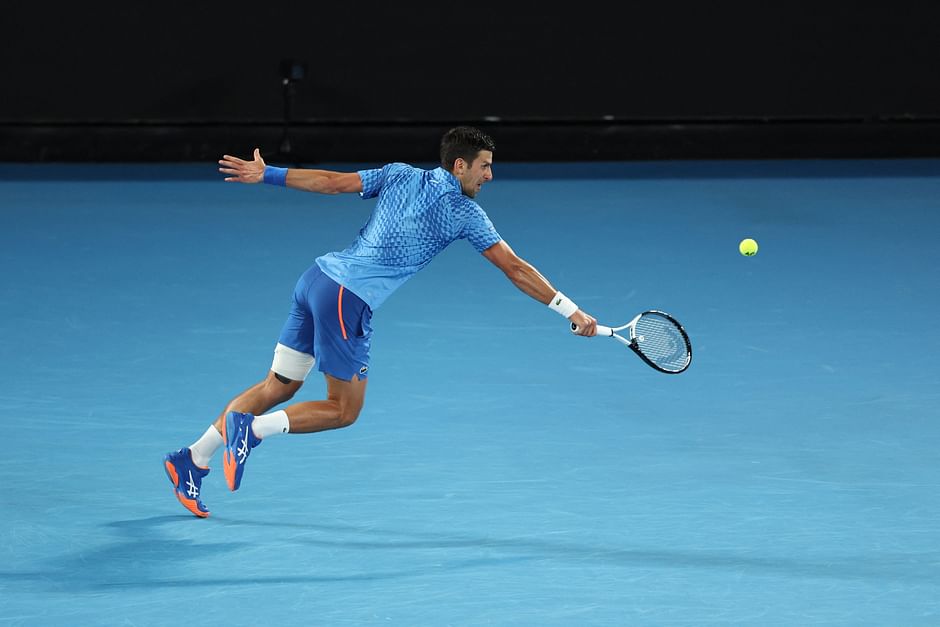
pixel 241 171
pixel 586 325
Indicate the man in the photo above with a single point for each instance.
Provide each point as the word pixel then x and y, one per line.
pixel 418 214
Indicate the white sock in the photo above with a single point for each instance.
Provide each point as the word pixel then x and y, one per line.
pixel 205 447
pixel 271 424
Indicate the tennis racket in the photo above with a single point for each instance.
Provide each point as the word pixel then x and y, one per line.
pixel 656 337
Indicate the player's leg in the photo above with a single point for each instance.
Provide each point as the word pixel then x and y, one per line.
pixel 244 431
pixel 244 423
pixel 344 400
pixel 189 465
pixel 342 342
pixel 293 359
pixel 341 338
pixel 259 398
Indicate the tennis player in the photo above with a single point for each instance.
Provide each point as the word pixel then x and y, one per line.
pixel 418 214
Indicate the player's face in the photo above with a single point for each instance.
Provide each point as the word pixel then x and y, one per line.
pixel 473 176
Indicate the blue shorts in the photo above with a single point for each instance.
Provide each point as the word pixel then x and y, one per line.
pixel 331 323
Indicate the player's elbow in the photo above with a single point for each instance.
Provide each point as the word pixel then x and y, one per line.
pixel 320 184
pixel 518 273
pixel 340 183
pixel 326 186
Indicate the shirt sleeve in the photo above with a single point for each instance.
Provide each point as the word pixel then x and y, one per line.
pixel 476 225
pixel 372 181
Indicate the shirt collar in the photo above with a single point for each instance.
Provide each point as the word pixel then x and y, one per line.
pixel 445 176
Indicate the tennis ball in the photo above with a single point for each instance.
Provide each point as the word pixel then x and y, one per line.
pixel 748 247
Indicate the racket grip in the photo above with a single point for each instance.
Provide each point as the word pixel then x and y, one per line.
pixel 601 330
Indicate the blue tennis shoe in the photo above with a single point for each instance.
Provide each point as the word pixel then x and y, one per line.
pixel 239 440
pixel 186 478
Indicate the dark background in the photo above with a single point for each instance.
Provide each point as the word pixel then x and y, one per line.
pixel 128 82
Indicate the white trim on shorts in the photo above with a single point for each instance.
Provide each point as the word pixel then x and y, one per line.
pixel 291 363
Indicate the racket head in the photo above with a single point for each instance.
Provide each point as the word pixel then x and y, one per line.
pixel 661 341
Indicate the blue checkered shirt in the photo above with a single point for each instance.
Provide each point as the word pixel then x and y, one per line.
pixel 418 214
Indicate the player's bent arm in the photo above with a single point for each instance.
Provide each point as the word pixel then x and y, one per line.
pixel 524 276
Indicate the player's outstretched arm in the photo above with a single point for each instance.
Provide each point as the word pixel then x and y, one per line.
pixel 257 171
pixel 524 276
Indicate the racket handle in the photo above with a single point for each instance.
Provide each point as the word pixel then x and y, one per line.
pixel 601 330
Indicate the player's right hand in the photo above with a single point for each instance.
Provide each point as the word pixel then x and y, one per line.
pixel 241 171
pixel 584 324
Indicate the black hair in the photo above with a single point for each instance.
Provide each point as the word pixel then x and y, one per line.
pixel 463 142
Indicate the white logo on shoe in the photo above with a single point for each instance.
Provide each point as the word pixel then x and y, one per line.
pixel 192 490
pixel 242 450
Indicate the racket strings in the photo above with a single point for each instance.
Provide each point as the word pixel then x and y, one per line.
pixel 662 342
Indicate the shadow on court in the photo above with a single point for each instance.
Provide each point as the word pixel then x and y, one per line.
pixel 145 553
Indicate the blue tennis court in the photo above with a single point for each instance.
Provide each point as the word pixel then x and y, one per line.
pixel 503 471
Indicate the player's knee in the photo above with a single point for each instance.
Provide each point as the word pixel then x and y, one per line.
pixel 347 418
pixel 348 413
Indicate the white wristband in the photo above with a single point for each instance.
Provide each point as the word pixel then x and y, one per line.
pixel 562 304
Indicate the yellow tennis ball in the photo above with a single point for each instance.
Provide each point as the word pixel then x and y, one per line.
pixel 748 247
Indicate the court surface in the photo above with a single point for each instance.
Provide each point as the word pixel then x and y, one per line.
pixel 503 472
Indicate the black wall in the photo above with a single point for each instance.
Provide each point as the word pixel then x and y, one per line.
pixel 648 80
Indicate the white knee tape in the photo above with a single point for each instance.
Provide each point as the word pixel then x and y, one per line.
pixel 291 363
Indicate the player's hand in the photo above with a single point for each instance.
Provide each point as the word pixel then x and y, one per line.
pixel 586 325
pixel 241 171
